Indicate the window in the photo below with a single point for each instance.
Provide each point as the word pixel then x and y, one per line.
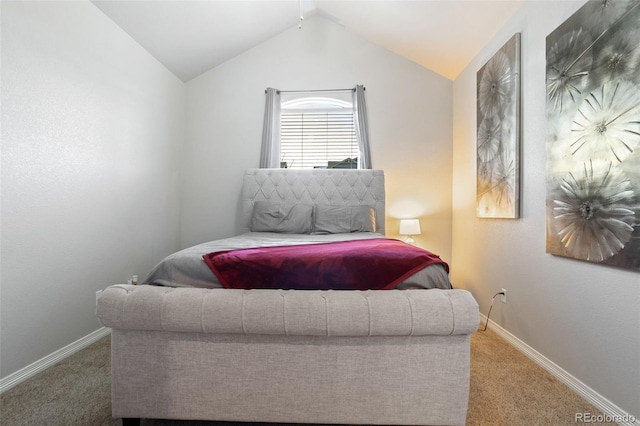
pixel 318 132
pixel 315 132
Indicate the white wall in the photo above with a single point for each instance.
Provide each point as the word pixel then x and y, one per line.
pixel 584 317
pixel 410 115
pixel 92 132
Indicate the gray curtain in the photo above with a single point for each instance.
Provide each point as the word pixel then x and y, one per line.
pixel 270 153
pixel 362 127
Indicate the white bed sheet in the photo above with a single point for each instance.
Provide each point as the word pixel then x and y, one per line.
pixel 186 268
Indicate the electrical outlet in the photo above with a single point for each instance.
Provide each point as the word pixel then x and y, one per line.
pixel 504 295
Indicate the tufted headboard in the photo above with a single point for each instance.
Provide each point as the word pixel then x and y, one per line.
pixel 338 187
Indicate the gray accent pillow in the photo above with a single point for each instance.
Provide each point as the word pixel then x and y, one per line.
pixel 282 218
pixel 343 219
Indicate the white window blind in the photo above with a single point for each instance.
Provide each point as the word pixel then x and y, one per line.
pixel 318 134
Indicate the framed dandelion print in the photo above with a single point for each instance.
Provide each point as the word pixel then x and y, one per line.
pixel 498 134
pixel 593 141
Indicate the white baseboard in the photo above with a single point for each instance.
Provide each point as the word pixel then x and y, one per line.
pixel 31 370
pixel 612 412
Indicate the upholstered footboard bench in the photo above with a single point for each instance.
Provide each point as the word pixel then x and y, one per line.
pixel 345 357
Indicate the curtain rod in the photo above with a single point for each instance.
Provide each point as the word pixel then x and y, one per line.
pixel 317 90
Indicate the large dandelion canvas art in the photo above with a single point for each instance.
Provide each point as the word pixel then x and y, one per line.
pixel 498 134
pixel 593 143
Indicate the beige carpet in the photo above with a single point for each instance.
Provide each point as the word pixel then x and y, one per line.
pixel 506 389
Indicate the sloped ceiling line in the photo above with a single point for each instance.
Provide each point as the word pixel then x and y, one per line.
pixel 192 37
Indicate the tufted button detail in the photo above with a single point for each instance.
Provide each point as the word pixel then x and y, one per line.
pixel 293 312
pixel 316 186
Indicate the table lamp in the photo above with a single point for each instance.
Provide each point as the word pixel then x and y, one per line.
pixel 409 227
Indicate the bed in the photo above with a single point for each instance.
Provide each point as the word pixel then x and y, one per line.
pixel 210 338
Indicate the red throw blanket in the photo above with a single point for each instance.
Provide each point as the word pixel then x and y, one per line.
pixel 372 264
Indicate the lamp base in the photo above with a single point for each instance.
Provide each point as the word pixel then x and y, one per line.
pixel 409 240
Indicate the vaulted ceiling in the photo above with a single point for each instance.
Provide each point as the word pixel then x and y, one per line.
pixel 191 37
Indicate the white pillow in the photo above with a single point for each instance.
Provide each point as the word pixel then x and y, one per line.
pixel 282 218
pixel 343 219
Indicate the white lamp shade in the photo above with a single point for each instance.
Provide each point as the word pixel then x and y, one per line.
pixel 410 227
